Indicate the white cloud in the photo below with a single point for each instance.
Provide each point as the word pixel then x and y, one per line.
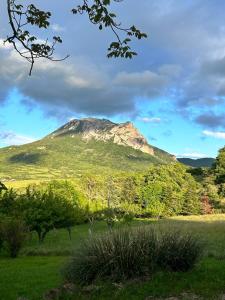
pixel 57 28
pixel 194 155
pixel 10 138
pixel 78 86
pixel 4 45
pixel 150 120
pixel 214 134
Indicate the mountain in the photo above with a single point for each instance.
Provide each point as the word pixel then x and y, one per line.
pixel 198 163
pixel 81 146
pixel 124 134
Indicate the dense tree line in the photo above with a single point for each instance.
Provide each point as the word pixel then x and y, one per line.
pixel 165 190
pixel 162 191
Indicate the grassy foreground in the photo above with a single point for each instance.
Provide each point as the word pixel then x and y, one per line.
pixel 38 268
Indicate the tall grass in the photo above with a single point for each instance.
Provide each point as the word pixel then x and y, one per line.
pixel 178 251
pixel 131 253
pixel 120 254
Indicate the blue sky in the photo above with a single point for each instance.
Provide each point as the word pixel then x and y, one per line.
pixel 174 91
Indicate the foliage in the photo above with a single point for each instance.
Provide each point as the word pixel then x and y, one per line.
pixel 219 167
pixel 178 251
pixel 164 190
pixel 53 207
pixel 169 190
pixel 8 202
pixel 13 233
pixel 43 208
pixel 214 182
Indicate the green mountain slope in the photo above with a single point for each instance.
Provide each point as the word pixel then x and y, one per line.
pixel 68 155
pixel 198 163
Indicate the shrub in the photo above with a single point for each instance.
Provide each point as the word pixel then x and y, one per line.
pixel 119 254
pixel 178 251
pixel 131 253
pixel 13 233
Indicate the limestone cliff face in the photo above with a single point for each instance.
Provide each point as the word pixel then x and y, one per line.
pixel 104 130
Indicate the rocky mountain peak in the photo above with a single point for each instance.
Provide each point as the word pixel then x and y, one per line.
pixel 104 130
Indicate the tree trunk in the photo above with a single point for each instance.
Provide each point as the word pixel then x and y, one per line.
pixel 70 233
pixel 41 236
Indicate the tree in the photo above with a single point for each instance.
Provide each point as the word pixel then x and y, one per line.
pixel 21 17
pixel 191 205
pixel 206 206
pixel 44 210
pixel 155 209
pixel 171 186
pixel 8 202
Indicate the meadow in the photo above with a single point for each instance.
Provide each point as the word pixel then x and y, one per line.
pixel 38 268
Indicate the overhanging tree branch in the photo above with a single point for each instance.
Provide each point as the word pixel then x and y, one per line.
pixel 99 14
pixel 27 45
pixel 30 48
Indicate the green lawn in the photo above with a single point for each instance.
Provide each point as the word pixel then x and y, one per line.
pixel 28 277
pixel 206 280
pixel 38 268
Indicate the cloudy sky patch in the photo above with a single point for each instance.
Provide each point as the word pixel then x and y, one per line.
pixel 178 75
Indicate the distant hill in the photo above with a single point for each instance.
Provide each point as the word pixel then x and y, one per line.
pixel 81 146
pixel 197 163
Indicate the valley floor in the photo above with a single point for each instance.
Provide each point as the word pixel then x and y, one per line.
pixel 38 269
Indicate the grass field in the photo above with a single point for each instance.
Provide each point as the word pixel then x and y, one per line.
pixel 38 268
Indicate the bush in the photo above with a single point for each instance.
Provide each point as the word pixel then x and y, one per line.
pixel 13 233
pixel 178 251
pixel 120 254
pixel 131 253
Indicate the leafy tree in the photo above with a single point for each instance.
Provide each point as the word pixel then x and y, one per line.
pixel 22 17
pixel 112 203
pixel 8 202
pixel 191 205
pixel 130 190
pixel 219 167
pixel 155 208
pixel 171 186
pixel 93 190
pixel 44 210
